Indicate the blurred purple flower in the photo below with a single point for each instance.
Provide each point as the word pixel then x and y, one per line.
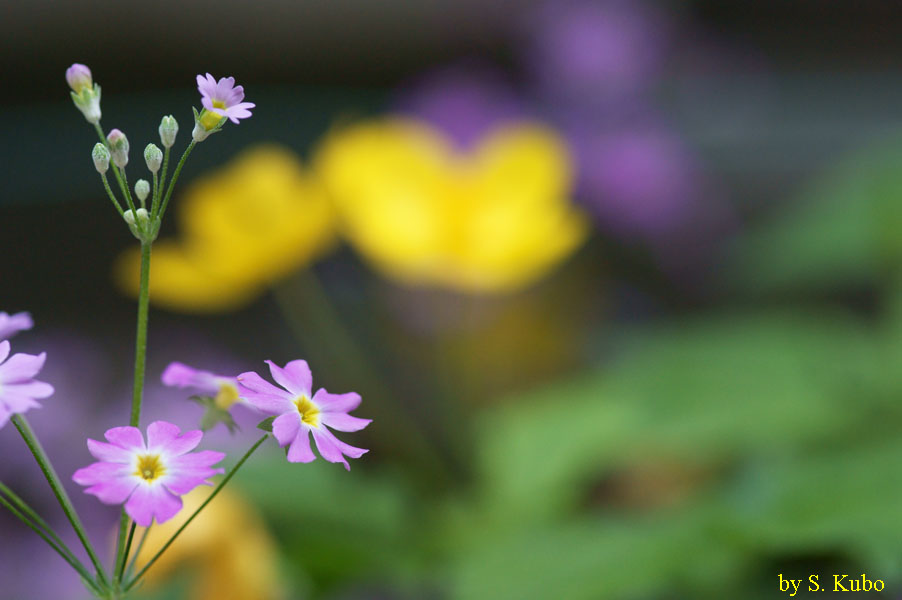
pixel 463 101
pixel 640 181
pixel 19 390
pixel 79 372
pixel 595 52
pixel 12 324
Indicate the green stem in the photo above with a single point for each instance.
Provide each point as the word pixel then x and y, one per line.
pixel 175 177
pixel 131 564
pixel 141 336
pixel 156 206
pixel 59 491
pixel 216 490
pixel 23 507
pixel 128 546
pixel 109 191
pixel 123 184
pixel 154 199
pixel 53 541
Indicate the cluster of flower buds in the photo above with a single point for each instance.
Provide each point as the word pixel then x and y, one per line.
pixel 222 100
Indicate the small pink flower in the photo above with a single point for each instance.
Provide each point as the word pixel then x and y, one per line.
pixel 149 478
pixel 19 390
pixel 223 98
pixel 78 76
pixel 12 324
pixel 299 414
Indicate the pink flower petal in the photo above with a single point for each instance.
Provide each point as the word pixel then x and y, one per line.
pixel 18 403
pixel 5 414
pixel 285 428
pixel 129 438
pixel 4 350
pixel 164 437
pixel 103 472
pixel 295 377
pixel 343 421
pixel 152 501
pixel 10 325
pixel 181 375
pixel 340 403
pixel 325 443
pixel 111 483
pixel 32 389
pixel 263 395
pixel 299 451
pixel 21 367
pixel 110 453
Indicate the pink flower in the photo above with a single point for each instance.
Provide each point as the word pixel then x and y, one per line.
pixel 12 324
pixel 223 98
pixel 19 390
pixel 78 76
pixel 222 388
pixel 149 478
pixel 299 414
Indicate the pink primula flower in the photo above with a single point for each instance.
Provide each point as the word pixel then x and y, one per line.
pixel 222 388
pixel 12 324
pixel 19 390
pixel 223 97
pixel 300 413
pixel 151 477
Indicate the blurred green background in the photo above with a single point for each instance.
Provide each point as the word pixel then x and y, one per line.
pixel 622 289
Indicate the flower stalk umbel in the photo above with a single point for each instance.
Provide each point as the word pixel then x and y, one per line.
pixel 147 474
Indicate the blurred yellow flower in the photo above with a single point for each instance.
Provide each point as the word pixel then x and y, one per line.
pixel 253 222
pixel 227 550
pixel 495 219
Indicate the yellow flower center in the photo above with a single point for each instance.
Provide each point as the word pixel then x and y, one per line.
pixel 308 410
pixel 150 467
pixel 226 397
pixel 210 119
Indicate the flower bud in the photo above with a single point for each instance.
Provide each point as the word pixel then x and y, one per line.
pixel 169 128
pixel 141 215
pixel 78 77
pixel 101 156
pixel 142 189
pixel 118 148
pixel 153 156
pixel 129 217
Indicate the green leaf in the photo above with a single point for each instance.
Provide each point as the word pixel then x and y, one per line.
pixel 841 232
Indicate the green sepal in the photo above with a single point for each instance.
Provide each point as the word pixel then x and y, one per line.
pixel 213 415
pixel 266 424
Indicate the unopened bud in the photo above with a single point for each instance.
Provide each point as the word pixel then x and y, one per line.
pixel 153 156
pixel 129 217
pixel 141 215
pixel 169 128
pixel 101 156
pixel 118 148
pixel 142 189
pixel 78 76
pixel 85 94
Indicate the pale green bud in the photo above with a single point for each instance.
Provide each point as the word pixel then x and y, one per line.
pixel 142 189
pixel 101 156
pixel 153 156
pixel 118 148
pixel 169 128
